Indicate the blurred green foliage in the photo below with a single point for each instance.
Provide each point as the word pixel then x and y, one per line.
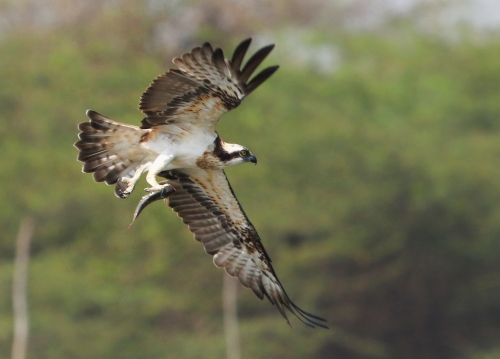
pixel 376 195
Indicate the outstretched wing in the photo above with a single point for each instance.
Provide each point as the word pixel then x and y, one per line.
pixel 206 86
pixel 206 203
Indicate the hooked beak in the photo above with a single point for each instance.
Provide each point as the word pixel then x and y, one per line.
pixel 251 158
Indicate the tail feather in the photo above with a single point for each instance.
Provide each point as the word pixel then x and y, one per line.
pixel 111 171
pixel 105 159
pixel 90 152
pixel 124 169
pixel 103 144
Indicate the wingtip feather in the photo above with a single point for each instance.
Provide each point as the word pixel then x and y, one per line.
pixel 260 78
pixel 239 54
pixel 254 62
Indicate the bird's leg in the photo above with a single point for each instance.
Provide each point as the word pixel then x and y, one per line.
pixel 158 165
pixel 131 181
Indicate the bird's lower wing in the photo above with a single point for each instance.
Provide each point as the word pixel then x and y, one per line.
pixel 207 205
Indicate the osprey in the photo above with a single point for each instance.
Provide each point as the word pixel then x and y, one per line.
pixel 177 141
pixel 182 108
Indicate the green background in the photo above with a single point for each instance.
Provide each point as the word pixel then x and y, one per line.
pixel 376 193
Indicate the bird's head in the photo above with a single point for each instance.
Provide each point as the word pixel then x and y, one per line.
pixel 231 154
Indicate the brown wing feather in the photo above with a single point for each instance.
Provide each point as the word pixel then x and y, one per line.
pixel 206 203
pixel 205 87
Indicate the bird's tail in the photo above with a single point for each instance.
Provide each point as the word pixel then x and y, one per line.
pixel 106 146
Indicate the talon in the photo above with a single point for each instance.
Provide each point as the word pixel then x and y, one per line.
pixel 151 197
pixel 155 189
pixel 124 194
pixel 123 187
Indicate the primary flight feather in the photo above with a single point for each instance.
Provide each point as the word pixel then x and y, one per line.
pixel 177 141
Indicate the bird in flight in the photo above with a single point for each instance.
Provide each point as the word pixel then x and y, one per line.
pixel 182 108
pixel 177 141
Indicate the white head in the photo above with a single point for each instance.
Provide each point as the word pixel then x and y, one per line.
pixel 231 154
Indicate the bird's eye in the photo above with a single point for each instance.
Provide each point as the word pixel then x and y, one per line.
pixel 243 153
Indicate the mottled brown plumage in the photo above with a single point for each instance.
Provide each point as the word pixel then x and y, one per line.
pixel 205 82
pixel 206 203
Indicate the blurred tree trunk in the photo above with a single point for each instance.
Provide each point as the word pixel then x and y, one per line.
pixel 19 298
pixel 229 307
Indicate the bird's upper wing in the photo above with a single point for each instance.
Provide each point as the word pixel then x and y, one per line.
pixel 206 86
pixel 206 203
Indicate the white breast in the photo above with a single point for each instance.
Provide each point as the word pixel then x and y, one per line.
pixel 191 148
pixel 160 142
pixel 186 147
